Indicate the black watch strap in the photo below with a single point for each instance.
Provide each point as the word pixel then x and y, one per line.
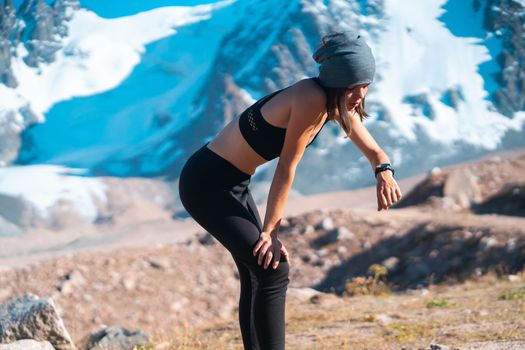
pixel 383 167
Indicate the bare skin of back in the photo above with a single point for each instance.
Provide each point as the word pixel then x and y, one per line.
pixel 231 145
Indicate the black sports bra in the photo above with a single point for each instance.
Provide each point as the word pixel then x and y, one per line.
pixel 266 139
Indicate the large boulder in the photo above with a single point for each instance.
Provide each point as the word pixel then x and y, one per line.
pixel 29 317
pixel 462 187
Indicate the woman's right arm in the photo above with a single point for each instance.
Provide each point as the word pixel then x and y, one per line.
pixel 307 106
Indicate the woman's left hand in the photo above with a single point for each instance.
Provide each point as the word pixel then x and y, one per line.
pixel 388 191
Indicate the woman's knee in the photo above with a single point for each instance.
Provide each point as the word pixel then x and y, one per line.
pixel 280 276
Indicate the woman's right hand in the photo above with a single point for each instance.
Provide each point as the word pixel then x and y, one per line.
pixel 271 247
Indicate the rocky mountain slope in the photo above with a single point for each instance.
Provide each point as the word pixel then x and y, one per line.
pixel 427 272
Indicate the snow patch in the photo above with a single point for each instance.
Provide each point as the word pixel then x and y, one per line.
pixel 429 60
pixel 100 53
pixel 45 185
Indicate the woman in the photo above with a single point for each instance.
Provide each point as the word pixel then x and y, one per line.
pixel 213 184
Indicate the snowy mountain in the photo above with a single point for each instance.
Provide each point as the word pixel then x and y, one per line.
pixel 135 94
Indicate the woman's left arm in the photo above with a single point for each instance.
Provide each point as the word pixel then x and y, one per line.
pixel 388 191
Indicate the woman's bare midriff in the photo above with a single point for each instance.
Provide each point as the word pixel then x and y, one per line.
pixel 230 145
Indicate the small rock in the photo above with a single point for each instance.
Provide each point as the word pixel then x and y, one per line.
pixel 179 304
pixel 327 224
pixel 435 171
pixel 96 320
pixel 115 276
pixel 129 283
pixel 449 203
pixel 483 312
pixel 514 278
pixel 325 299
pixel 301 294
pixel 344 233
pixel 116 338
pixel 439 347
pixel 391 263
pixel 342 249
pixel 308 257
pixel 161 264
pixel 321 252
pixel 384 319
pixel 320 262
pixel 190 241
pixel 71 281
pixel 511 244
pixel 315 299
pixel 308 229
pixel 487 242
pixel 225 311
pixel 332 236
pixel 207 239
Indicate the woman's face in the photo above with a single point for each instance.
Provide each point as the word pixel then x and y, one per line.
pixel 355 95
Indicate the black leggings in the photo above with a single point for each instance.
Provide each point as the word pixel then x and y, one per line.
pixel 216 194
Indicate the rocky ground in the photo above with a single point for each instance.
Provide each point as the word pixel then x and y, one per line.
pixel 484 312
pixel 432 270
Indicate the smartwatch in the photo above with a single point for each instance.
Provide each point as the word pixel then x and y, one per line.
pixel 383 167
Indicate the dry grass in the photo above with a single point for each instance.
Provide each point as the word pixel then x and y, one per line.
pixel 486 308
pixel 374 284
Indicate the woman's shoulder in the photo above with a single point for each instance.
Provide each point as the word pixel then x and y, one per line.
pixel 310 91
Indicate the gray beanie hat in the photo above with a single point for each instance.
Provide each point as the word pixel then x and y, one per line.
pixel 346 60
